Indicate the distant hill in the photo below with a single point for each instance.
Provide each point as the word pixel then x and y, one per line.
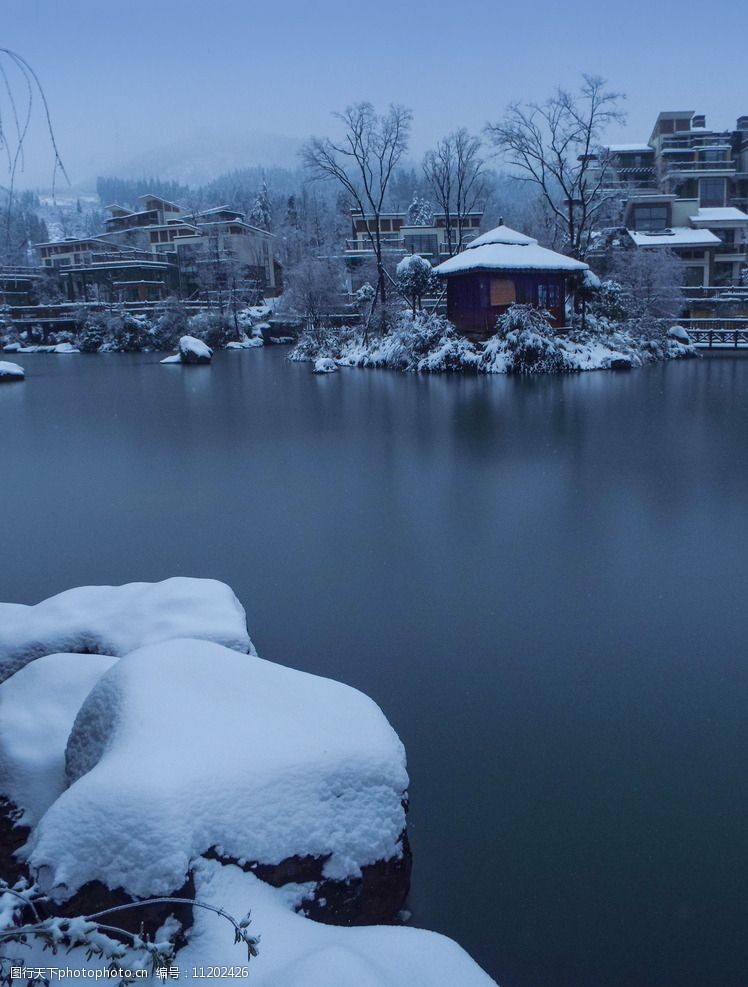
pixel 198 158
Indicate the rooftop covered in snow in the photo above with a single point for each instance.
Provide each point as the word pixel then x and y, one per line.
pixel 725 214
pixel 506 249
pixel 678 236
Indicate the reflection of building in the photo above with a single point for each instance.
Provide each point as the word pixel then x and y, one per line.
pixel 687 188
pixel 401 238
pixel 158 251
pixel 496 270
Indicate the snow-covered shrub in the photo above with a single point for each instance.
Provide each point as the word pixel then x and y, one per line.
pixel 212 328
pixel 413 276
pixel 607 303
pixel 171 323
pixel 525 343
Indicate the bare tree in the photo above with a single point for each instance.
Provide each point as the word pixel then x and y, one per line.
pixel 456 173
pixel 17 96
pixel 363 162
pixel 651 279
pixel 556 145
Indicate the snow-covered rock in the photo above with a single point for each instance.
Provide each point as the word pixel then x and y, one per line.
pixel 186 747
pixel 113 620
pixel 11 347
pixel 295 952
pixel 679 334
pixel 193 350
pixel 248 343
pixel 174 358
pixel 325 365
pixel 38 706
pixel 65 348
pixel 11 371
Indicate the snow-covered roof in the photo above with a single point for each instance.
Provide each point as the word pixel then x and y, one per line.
pixel 727 214
pixel 505 249
pixel 678 236
pixel 629 148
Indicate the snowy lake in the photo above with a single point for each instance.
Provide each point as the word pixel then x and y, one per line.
pixel 542 582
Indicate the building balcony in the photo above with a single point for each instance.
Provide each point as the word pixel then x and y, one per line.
pixel 701 168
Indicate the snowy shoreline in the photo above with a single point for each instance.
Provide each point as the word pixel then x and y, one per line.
pixel 255 785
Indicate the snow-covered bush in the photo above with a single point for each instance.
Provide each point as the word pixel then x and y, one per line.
pixel 171 323
pixel 413 277
pixel 525 343
pixel 212 328
pixel 607 304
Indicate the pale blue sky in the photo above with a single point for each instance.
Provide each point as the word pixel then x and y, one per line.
pixel 124 77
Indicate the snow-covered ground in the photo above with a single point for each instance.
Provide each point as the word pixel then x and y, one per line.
pixel 130 765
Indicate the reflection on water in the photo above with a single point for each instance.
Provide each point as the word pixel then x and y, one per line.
pixel 542 582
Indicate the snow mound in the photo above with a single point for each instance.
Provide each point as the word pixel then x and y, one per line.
pixel 11 347
pixel 325 365
pixel 113 620
pixel 174 358
pixel 38 706
pixel 679 334
pixel 11 371
pixel 186 746
pixel 65 348
pixel 194 350
pixel 296 952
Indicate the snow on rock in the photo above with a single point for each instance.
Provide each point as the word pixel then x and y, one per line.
pixel 11 371
pixel 113 620
pixel 65 348
pixel 193 350
pixel 325 365
pixel 38 706
pixel 248 343
pixel 679 334
pixel 185 746
pixel 11 347
pixel 296 952
pixel 175 358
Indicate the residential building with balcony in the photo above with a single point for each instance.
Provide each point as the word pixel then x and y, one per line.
pixel 400 238
pixel 151 253
pixel 686 189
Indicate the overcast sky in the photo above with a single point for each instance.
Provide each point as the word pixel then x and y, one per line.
pixel 125 78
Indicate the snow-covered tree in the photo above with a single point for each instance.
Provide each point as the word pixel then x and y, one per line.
pixel 260 214
pixel 651 281
pixel 420 212
pixel 413 278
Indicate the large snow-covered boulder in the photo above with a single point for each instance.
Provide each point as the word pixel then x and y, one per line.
pixel 325 365
pixel 187 748
pixel 11 371
pixel 194 350
pixel 112 620
pixel 38 706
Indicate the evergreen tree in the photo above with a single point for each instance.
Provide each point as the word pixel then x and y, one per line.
pixel 260 213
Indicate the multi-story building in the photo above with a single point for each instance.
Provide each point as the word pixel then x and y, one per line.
pixel 686 189
pixel 154 252
pixel 400 238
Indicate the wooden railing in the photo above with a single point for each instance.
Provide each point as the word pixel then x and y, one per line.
pixel 717 333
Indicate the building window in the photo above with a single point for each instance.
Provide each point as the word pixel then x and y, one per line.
pixel 650 219
pixel 549 296
pixel 421 243
pixel 503 291
pixel 712 192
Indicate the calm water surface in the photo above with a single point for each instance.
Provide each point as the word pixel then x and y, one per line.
pixel 542 583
